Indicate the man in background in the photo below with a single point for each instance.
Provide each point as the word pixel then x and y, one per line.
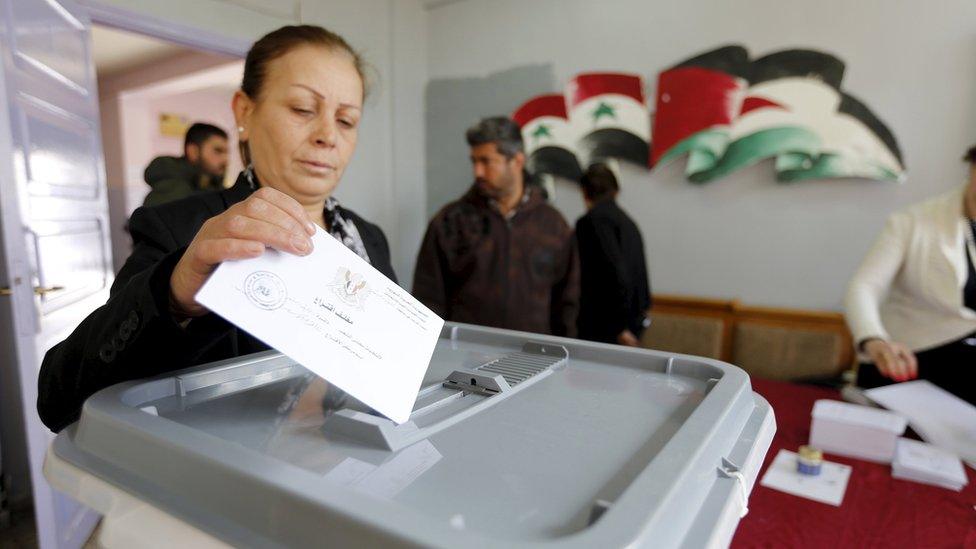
pixel 615 292
pixel 201 168
pixel 500 255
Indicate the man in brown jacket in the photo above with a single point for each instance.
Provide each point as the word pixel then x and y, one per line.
pixel 500 255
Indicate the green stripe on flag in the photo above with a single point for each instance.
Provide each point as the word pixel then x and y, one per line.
pixel 800 167
pixel 757 146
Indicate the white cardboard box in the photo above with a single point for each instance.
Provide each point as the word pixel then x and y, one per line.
pixel 855 431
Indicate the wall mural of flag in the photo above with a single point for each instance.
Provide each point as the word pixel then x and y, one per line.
pixel 549 140
pixel 609 116
pixel 727 113
pixel 721 109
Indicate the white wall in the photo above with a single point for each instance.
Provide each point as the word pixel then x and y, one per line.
pixel 744 236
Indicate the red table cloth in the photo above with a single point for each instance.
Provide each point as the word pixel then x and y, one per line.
pixel 877 510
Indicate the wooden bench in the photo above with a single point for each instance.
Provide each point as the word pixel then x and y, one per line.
pixel 782 344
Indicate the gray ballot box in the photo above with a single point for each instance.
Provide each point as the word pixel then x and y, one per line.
pixel 516 440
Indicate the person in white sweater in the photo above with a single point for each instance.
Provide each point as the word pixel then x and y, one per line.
pixel 911 305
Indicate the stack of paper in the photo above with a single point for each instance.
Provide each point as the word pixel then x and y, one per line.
pixel 855 431
pixel 938 416
pixel 927 464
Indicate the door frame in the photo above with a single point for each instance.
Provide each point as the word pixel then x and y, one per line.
pixel 127 19
pixel 100 12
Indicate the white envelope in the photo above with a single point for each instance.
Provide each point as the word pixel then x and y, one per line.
pixel 334 314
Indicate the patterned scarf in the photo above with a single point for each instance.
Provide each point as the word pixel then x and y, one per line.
pixel 340 228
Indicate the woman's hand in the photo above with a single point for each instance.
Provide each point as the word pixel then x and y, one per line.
pixel 627 338
pixel 894 360
pixel 268 218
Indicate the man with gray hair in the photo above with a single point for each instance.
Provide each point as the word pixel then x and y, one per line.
pixel 500 255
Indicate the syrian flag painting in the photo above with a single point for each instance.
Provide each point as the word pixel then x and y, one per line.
pixel 727 113
pixel 609 116
pixel 548 137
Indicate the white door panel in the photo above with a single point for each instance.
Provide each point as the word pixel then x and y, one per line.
pixel 53 214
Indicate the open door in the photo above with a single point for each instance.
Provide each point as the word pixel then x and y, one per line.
pixel 55 261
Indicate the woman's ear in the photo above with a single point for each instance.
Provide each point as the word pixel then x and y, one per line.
pixel 243 106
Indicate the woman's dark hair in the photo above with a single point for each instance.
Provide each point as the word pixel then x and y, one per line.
pixel 277 43
pixel 599 182
pixel 970 156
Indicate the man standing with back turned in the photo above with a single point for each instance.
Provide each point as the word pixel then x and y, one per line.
pixel 615 287
pixel 500 256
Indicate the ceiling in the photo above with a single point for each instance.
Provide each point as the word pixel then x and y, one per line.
pixel 116 51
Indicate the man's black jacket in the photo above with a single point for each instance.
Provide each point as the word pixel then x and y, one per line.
pixel 614 289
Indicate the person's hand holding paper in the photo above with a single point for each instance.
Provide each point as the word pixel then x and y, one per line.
pixel 267 218
pixel 336 315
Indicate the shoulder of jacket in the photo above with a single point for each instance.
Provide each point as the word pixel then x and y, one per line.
pixel 453 209
pixel 552 213
pixel 361 222
pixel 937 208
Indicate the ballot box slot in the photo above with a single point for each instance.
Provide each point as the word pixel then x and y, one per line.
pixel 228 379
pixel 462 393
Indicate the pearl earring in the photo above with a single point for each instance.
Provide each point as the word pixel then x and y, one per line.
pixel 240 129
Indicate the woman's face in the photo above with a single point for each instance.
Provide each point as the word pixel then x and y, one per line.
pixel 302 129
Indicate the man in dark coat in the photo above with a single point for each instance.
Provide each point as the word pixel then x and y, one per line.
pixel 201 168
pixel 615 291
pixel 500 255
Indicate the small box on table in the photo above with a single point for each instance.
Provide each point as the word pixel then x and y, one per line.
pixel 855 431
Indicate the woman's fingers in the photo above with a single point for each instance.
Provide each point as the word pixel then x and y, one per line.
pixel 268 218
pixel 897 368
pixel 214 251
pixel 888 363
pixel 908 359
pixel 893 359
pixel 195 268
pixel 241 227
pixel 286 204
pixel 257 207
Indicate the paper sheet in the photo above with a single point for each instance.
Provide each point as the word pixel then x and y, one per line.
pixel 926 463
pixel 390 478
pixel 336 315
pixel 828 487
pixel 938 416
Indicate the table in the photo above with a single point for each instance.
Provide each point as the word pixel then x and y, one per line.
pixel 877 511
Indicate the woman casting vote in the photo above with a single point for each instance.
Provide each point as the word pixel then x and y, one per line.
pixel 911 306
pixel 298 113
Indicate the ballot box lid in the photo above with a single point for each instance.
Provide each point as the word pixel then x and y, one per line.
pixel 516 439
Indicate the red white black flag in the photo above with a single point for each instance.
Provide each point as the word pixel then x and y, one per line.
pixel 610 117
pixel 548 137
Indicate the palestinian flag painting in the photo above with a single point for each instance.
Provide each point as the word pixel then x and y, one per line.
pixel 726 113
pixel 854 143
pixel 697 101
pixel 609 117
pixel 548 137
